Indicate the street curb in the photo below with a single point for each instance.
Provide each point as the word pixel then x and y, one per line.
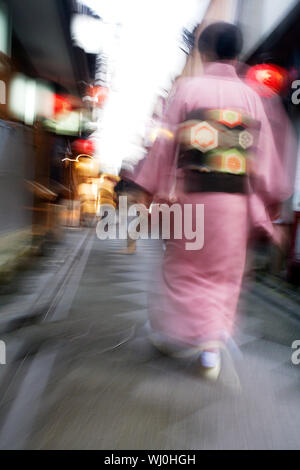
pixel 35 311
pixel 284 304
pixel 279 286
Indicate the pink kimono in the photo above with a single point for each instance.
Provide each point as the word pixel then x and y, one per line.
pixel 200 289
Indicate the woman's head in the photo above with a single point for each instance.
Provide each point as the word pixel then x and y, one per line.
pixel 220 41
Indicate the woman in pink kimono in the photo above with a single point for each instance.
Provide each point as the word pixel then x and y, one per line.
pixel 223 156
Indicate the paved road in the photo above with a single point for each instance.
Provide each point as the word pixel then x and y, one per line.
pixel 93 380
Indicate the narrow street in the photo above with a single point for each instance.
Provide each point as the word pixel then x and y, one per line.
pixel 177 122
pixel 81 372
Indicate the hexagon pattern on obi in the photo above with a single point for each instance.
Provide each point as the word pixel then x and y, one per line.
pixel 216 140
pixel 198 135
pixel 245 139
pixel 230 118
pixel 204 136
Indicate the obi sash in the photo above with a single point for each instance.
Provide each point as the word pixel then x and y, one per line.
pixel 216 147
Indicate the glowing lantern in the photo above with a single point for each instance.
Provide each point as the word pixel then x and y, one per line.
pixel 61 105
pixel 99 94
pixel 83 146
pixel 272 77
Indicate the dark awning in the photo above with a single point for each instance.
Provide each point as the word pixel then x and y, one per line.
pixel 42 28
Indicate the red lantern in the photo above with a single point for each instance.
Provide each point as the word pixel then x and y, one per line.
pixel 83 146
pixel 99 94
pixel 267 79
pixel 61 105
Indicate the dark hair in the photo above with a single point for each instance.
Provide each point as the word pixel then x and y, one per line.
pixel 223 41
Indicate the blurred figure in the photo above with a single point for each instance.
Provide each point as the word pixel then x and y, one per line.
pixel 107 194
pixel 127 189
pixel 88 202
pixel 225 157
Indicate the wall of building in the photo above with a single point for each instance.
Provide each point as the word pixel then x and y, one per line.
pixel 258 18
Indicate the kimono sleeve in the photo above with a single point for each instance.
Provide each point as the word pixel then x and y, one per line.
pixel 156 173
pixel 273 180
pixel 276 154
